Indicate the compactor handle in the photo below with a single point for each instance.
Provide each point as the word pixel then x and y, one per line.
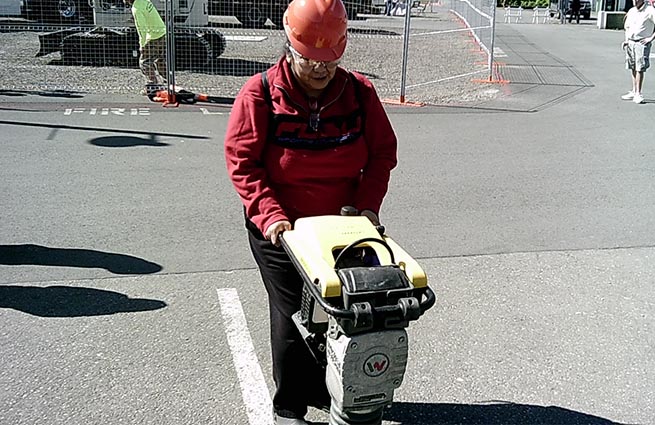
pixel 358 242
pixel 424 304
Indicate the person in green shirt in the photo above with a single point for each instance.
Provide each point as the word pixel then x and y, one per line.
pixel 152 40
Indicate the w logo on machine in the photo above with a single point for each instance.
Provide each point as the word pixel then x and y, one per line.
pixel 376 365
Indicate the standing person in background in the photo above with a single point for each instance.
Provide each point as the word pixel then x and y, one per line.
pixel 304 138
pixel 399 5
pixel 639 35
pixel 388 6
pixel 575 10
pixel 152 40
pixel 563 6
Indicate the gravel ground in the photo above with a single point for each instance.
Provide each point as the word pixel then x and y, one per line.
pixel 440 67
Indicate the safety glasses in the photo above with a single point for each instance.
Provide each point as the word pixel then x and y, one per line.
pixel 311 63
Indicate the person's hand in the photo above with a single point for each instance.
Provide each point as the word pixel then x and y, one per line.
pixel 371 216
pixel 624 44
pixel 275 230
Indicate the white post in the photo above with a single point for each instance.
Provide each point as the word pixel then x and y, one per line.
pixel 403 75
pixel 493 38
pixel 170 47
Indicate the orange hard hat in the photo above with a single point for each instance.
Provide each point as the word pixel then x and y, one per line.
pixel 317 29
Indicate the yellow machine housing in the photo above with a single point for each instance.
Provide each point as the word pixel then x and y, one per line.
pixel 316 241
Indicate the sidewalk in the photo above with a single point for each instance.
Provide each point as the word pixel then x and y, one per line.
pixel 538 64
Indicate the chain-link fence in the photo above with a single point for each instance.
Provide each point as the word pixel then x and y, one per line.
pixel 479 17
pixel 219 46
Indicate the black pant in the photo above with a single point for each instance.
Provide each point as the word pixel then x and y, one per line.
pixel 577 16
pixel 299 379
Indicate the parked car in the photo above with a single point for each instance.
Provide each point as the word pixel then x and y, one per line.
pixel 253 13
pixel 65 12
pixel 585 8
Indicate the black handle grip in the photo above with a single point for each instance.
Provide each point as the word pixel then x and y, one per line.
pixel 312 287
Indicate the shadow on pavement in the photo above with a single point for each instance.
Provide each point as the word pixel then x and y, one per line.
pixel 101 129
pixel 126 141
pixel 28 254
pixel 491 413
pixel 370 31
pixel 54 93
pixel 66 301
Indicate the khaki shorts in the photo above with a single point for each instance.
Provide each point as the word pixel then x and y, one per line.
pixel 636 56
pixel 153 60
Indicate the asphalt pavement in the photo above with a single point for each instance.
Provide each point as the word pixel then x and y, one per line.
pixel 126 282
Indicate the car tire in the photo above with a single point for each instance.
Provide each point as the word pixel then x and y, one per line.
pixel 252 17
pixel 65 12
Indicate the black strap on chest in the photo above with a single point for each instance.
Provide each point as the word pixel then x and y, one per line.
pixel 267 91
pixel 269 100
pixel 276 120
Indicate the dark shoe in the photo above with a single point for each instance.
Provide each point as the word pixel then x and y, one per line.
pixel 280 420
pixel 323 405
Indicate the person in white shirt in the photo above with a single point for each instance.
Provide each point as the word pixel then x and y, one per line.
pixel 639 34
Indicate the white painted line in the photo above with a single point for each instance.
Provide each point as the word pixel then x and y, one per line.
pixel 109 111
pixel 206 111
pixel 245 37
pixel 441 80
pixel 499 53
pixel 254 391
pixel 449 31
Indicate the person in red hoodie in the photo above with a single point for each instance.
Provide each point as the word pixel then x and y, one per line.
pixel 304 138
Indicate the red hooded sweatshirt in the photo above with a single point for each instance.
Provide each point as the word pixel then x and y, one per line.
pixel 290 156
